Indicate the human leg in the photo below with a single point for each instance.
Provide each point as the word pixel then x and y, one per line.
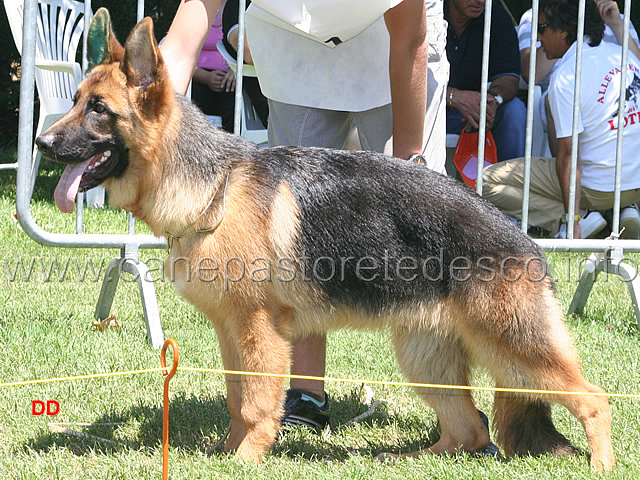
pixel 309 359
pixel 225 107
pixel 629 215
pixel 509 129
pixel 308 127
pixel 375 129
pixel 375 126
pixel 306 403
pixel 503 185
pixel 596 200
pixel 214 103
pixel 455 122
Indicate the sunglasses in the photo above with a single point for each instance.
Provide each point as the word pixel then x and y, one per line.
pixel 542 26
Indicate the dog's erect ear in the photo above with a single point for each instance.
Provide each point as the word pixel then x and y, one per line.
pixel 142 61
pixel 102 45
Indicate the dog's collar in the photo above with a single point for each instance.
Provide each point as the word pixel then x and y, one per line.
pixel 189 230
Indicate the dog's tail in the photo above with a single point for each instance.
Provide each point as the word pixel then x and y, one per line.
pixel 524 427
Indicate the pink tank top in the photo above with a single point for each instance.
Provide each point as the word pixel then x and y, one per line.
pixel 210 58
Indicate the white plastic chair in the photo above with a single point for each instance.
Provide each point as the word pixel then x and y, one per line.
pixel 57 75
pixel 251 127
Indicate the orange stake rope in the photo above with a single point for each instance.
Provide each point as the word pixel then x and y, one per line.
pixel 165 407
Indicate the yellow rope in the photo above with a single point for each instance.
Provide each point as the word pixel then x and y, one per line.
pixel 325 379
pixel 81 377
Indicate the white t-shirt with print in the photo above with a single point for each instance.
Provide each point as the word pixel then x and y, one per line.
pixel 598 111
pixel 524 39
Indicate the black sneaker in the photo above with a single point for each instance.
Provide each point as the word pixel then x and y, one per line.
pixel 301 409
pixel 490 450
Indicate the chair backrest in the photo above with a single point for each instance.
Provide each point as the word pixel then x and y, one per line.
pixel 252 127
pixel 60 24
pixel 248 70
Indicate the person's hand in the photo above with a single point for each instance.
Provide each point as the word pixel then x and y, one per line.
pixel 229 81
pixel 216 80
pixel 467 102
pixel 610 12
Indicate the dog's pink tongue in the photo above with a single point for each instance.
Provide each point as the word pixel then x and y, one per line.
pixel 67 189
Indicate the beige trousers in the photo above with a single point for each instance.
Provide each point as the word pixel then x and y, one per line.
pixel 504 183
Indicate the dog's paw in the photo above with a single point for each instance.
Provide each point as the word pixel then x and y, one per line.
pixel 603 464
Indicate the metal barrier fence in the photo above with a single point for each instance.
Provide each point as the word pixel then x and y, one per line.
pixel 607 255
pixel 610 252
pixel 129 243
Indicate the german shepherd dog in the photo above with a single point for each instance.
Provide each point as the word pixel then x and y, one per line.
pixel 273 244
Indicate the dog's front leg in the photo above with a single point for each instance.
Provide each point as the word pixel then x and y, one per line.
pixel 231 360
pixel 255 403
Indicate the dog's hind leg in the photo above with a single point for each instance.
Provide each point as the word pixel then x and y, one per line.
pixel 255 342
pixel 525 426
pixel 524 423
pixel 521 338
pixel 594 414
pixel 436 358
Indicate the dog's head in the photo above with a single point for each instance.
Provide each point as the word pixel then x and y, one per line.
pixel 123 93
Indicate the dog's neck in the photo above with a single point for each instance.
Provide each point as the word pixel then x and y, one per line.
pixel 193 228
pixel 192 159
pixel 172 211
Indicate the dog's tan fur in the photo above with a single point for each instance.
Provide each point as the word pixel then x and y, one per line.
pixel 513 327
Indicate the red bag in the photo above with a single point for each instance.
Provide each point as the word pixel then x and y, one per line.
pixel 465 157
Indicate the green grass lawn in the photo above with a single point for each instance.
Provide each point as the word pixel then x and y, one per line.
pixel 46 331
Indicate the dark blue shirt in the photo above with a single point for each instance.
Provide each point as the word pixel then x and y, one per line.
pixel 465 52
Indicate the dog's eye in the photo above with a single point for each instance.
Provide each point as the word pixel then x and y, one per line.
pixel 99 108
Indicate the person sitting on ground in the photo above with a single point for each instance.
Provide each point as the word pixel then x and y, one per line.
pixel 214 83
pixel 597 128
pixel 613 33
pixel 506 114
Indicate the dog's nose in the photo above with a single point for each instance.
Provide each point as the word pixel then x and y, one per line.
pixel 45 143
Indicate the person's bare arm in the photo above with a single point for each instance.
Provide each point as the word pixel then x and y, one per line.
pixel 215 80
pixel 233 40
pixel 407 25
pixel 610 13
pixel 181 47
pixel 543 64
pixel 563 169
pixel 506 86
